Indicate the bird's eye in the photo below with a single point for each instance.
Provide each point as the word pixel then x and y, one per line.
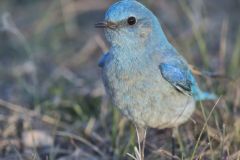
pixel 131 21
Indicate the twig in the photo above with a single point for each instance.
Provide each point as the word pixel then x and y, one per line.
pixel 166 153
pixel 198 72
pixel 10 26
pixel 23 110
pixel 81 139
pixel 101 43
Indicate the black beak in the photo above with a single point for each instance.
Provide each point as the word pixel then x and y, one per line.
pixel 101 25
pixel 106 24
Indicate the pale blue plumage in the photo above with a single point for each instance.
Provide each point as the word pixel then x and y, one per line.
pixel 103 60
pixel 143 74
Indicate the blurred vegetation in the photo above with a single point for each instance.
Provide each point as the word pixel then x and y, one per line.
pixel 50 81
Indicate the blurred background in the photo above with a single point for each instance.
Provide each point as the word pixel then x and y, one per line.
pixel 52 101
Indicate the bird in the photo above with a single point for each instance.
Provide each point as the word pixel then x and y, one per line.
pixel 146 78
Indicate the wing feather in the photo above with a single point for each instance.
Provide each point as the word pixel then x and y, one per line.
pixel 178 77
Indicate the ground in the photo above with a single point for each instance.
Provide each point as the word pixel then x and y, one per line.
pixel 52 101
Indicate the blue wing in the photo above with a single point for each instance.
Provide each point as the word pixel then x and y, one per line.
pixel 175 70
pixel 177 77
pixel 103 60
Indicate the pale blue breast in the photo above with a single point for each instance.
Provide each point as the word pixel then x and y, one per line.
pixel 137 88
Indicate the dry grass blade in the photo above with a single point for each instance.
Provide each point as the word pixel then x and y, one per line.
pixel 139 142
pixel 29 113
pixel 235 156
pixel 68 11
pixel 83 55
pixel 223 44
pixel 235 61
pixel 101 44
pixel 204 126
pixel 195 70
pixel 139 151
pixel 166 154
pixel 81 139
pixel 10 26
pixel 49 52
pixel 137 155
pixel 197 32
pixel 198 72
pixel 208 135
pixel 16 150
pixel 144 143
pixel 131 156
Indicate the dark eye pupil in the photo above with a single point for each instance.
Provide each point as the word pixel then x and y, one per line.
pixel 132 20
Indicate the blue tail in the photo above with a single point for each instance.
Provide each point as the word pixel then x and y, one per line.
pixel 200 95
pixel 205 96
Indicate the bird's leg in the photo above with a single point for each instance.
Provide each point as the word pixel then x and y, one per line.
pixel 174 133
pixel 143 144
pixel 141 136
pixel 173 147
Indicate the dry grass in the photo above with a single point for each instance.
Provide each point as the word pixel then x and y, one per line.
pixel 51 85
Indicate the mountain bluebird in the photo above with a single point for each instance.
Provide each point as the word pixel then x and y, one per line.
pixel 144 75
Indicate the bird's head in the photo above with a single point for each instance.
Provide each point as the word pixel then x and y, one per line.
pixel 129 23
